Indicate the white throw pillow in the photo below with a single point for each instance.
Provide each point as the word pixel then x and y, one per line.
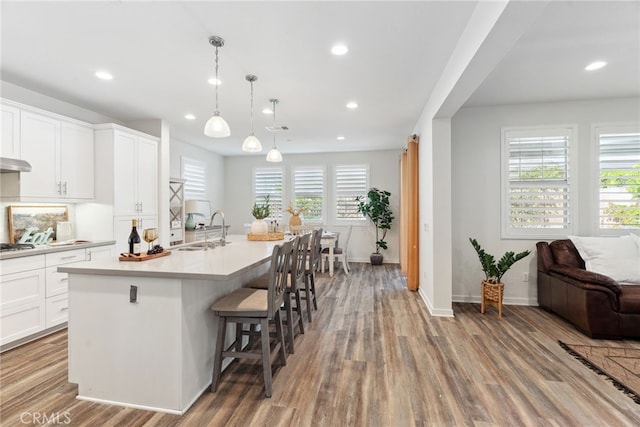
pixel 616 257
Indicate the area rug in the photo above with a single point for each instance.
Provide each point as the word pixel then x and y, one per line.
pixel 620 365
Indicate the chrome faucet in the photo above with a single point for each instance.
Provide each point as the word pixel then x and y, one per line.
pixel 223 240
pixel 203 228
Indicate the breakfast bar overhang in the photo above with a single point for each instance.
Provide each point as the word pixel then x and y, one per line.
pixel 141 334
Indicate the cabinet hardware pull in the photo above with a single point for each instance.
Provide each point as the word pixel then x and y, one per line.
pixel 64 309
pixel 69 257
pixel 65 187
pixel 64 279
pixel 59 187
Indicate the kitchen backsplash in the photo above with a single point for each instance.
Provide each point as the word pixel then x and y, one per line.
pixel 4 215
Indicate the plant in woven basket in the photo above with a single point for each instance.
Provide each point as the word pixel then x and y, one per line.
pixel 495 270
pixel 261 211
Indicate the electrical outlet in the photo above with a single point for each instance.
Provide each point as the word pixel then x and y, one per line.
pixel 525 277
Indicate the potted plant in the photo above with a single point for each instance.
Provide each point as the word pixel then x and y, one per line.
pixel 375 206
pixel 492 286
pixel 260 212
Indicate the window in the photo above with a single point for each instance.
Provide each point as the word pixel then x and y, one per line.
pixel 268 182
pixel 195 173
pixel 351 181
pixel 618 177
pixel 537 182
pixel 308 192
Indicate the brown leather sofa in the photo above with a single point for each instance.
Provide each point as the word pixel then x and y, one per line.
pixel 595 304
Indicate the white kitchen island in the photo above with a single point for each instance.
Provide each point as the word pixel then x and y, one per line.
pixel 155 352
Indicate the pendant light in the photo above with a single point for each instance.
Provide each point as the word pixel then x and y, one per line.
pixel 216 126
pixel 251 144
pixel 274 155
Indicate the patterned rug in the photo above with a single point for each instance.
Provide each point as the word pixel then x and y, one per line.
pixel 620 365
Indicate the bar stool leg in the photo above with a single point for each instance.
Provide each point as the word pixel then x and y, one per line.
pixel 266 356
pixel 217 361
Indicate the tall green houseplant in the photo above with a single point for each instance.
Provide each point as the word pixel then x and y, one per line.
pixel 375 206
pixel 493 270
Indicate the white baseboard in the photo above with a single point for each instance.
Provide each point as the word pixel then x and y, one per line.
pixel 440 312
pixel 505 300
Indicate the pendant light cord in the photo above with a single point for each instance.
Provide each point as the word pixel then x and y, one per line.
pixel 251 81
pixel 217 81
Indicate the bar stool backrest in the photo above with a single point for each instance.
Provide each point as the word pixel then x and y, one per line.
pixel 299 260
pixel 316 247
pixel 280 267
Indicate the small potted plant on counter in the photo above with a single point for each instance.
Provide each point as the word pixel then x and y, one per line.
pixel 260 212
pixel 375 206
pixel 492 286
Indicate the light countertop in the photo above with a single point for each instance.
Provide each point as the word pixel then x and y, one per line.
pixel 223 262
pixel 45 249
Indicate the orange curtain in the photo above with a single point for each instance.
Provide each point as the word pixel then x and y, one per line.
pixel 409 215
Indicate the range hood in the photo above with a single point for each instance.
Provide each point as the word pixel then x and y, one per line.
pixel 13 165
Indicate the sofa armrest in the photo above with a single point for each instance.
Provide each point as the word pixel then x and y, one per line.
pixel 587 277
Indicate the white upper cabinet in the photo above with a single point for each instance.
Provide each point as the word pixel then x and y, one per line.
pixel 10 126
pixel 61 156
pixel 128 168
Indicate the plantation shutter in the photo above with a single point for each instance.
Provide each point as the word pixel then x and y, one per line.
pixel 195 173
pixel 268 182
pixel 619 176
pixel 351 181
pixel 537 195
pixel 308 192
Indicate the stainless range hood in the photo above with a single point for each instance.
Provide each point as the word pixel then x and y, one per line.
pixel 13 165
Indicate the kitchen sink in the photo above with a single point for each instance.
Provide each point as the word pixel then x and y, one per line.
pixel 199 246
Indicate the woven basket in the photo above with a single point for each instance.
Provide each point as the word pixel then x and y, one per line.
pixel 492 291
pixel 266 237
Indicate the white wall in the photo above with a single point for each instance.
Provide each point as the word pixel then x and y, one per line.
pixel 476 184
pixel 215 170
pixel 384 174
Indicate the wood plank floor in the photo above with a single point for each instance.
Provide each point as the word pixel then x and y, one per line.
pixel 372 357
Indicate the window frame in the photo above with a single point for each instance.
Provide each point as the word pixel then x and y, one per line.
pixel 596 130
pixel 361 221
pixel 283 195
pixel 185 161
pixel 325 194
pixel 571 130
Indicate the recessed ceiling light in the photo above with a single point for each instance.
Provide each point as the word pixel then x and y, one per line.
pixel 339 49
pixel 595 65
pixel 104 75
pixel 189 117
pixel 352 105
pixel 214 81
pixel 340 138
pixel 267 111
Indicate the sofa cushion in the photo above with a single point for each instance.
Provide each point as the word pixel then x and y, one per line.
pixel 616 257
pixel 630 299
pixel 564 252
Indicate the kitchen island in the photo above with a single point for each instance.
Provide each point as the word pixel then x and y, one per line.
pixel 141 334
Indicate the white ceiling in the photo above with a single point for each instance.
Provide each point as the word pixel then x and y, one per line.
pixel 161 59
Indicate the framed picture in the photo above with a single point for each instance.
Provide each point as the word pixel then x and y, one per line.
pixel 37 222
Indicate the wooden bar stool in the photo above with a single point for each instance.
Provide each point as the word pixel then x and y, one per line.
pixel 310 272
pixel 254 307
pixel 294 283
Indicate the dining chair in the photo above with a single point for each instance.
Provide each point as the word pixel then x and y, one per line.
pixel 339 253
pixel 313 262
pixel 254 307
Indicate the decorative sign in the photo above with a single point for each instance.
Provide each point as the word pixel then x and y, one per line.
pixel 35 224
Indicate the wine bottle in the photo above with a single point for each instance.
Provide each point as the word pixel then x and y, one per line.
pixel 134 239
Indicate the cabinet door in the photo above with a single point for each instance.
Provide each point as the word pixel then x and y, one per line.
pixel 76 161
pixel 125 175
pixel 147 176
pixel 56 283
pixel 100 252
pixel 10 132
pixel 39 138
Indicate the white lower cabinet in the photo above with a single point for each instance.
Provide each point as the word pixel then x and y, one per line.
pixel 33 294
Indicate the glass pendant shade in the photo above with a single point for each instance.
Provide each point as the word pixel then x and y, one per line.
pixel 274 155
pixel 251 144
pixel 217 127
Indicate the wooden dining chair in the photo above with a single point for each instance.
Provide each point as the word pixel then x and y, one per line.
pixel 255 307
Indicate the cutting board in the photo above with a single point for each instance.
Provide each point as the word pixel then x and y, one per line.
pixel 142 257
